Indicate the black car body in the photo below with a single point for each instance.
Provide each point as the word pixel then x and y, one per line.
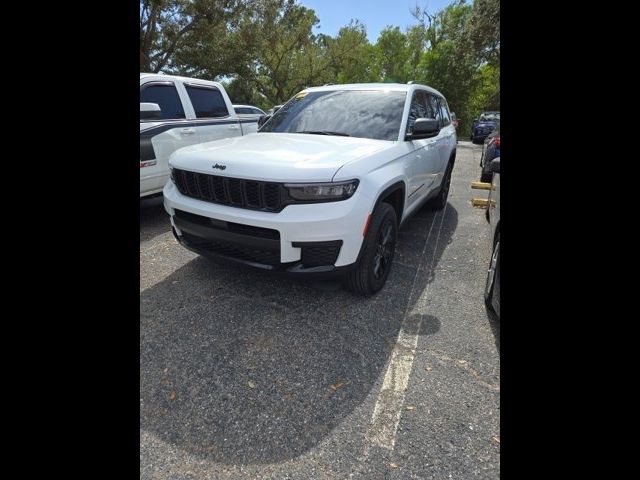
pixel 492 288
pixel 484 125
pixel 490 150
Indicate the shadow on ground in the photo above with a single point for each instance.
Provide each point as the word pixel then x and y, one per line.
pixel 494 323
pixel 154 220
pixel 242 367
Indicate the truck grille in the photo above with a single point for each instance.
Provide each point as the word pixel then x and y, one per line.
pixel 235 192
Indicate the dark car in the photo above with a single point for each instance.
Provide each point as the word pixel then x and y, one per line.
pixel 492 287
pixel 490 150
pixel 484 125
pixel 262 120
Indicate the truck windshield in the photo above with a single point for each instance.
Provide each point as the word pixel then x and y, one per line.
pixel 374 114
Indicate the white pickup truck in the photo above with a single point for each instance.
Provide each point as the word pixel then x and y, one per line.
pixel 324 185
pixel 176 112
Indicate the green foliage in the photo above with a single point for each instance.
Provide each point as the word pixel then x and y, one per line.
pixel 391 55
pixel 350 57
pixel 266 50
pixel 482 33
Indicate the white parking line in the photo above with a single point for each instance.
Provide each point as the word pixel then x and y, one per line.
pixel 388 408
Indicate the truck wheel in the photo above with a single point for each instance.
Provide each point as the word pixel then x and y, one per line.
pixel 493 273
pixel 371 272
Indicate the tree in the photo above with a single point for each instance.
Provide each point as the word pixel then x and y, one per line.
pixel 265 50
pixel 391 55
pixel 483 31
pixel 184 30
pixel 281 65
pixel 350 55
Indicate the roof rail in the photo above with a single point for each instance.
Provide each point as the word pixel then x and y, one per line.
pixel 410 82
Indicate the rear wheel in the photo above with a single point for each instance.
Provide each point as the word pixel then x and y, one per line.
pixel 440 200
pixel 371 272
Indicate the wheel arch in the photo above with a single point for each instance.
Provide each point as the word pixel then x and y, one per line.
pixel 395 195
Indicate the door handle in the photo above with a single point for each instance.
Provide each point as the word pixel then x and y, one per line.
pixel 188 131
pixel 234 127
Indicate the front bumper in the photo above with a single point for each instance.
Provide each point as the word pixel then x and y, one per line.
pixel 255 237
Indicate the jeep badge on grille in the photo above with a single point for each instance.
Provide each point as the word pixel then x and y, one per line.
pixel 219 167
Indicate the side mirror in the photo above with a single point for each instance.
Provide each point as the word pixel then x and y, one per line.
pixel 424 128
pixel 262 119
pixel 150 111
pixel 494 166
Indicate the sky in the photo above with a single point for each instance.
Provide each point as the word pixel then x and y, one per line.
pixel 374 14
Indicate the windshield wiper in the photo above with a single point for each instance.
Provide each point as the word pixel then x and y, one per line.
pixel 324 132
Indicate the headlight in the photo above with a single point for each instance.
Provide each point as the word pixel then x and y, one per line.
pixel 319 192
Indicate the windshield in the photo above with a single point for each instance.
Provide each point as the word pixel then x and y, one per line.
pixel 490 117
pixel 375 114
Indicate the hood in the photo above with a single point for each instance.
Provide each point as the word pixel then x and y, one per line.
pixel 486 123
pixel 277 157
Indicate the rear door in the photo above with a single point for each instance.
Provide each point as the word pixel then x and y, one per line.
pixel 159 138
pixel 213 118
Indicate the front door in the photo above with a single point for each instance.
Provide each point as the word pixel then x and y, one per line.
pixel 424 161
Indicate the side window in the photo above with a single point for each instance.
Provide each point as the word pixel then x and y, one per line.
pixel 257 112
pixel 207 101
pixel 243 110
pixel 434 107
pixel 444 113
pixel 418 109
pixel 164 95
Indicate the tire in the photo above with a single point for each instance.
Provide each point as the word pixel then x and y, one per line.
pixel 440 200
pixel 493 274
pixel 486 177
pixel 372 270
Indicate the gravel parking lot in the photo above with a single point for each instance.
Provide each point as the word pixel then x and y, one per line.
pixel 244 374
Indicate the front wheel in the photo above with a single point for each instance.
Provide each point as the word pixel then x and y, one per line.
pixel 372 270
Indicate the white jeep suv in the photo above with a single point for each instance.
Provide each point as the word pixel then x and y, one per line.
pixel 322 187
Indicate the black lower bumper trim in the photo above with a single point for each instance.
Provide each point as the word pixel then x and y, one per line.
pixel 293 268
pixel 209 233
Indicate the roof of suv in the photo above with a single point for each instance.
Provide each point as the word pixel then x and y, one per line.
pixel 403 87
